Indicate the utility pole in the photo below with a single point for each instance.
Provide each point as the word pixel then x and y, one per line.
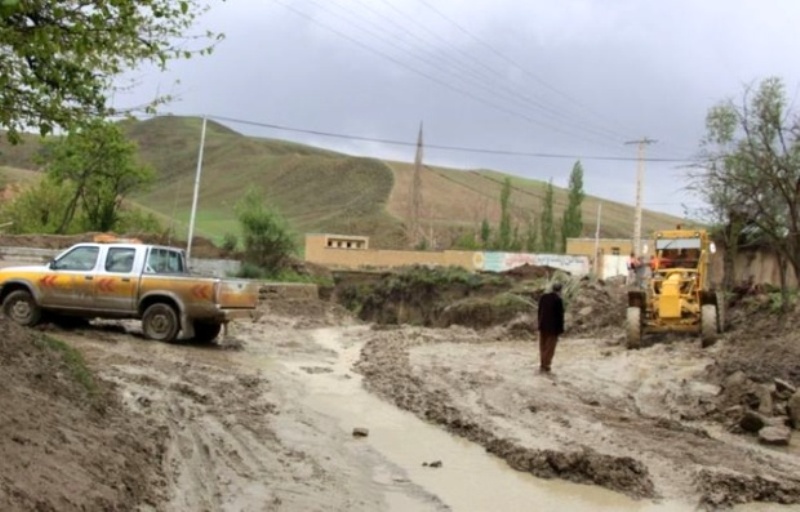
pixel 597 262
pixel 196 189
pixel 637 223
pixel 416 193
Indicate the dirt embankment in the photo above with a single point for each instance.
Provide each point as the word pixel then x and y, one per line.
pixel 68 443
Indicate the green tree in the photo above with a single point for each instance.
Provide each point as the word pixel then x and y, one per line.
pixel 572 222
pixel 504 231
pixel 101 168
pixel 486 233
pixel 750 170
pixel 61 59
pixel 531 234
pixel 268 241
pixel 547 224
pixel 38 209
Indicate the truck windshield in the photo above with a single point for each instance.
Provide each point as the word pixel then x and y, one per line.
pixel 164 261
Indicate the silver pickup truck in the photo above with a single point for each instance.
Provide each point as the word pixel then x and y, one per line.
pixel 127 280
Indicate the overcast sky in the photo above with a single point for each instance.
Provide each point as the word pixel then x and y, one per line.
pixel 572 77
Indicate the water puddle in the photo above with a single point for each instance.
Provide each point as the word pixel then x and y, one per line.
pixel 469 479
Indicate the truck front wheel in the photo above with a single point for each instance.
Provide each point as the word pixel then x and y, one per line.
pixel 21 307
pixel 160 322
pixel 206 332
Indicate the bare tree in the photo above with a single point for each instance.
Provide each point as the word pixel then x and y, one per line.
pixel 751 171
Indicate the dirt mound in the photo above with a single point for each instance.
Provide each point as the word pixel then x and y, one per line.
pixel 387 372
pixel 596 308
pixel 528 271
pixel 67 444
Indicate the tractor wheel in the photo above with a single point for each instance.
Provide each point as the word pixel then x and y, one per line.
pixel 634 328
pixel 206 332
pixel 21 307
pixel 722 306
pixel 160 323
pixel 709 323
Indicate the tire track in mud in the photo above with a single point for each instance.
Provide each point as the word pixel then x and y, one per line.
pixel 388 373
pixel 684 460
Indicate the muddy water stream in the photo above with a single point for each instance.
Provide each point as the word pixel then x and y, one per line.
pixel 470 479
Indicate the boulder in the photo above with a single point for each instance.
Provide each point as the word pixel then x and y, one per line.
pixel 765 403
pixel 752 422
pixel 793 407
pixel 775 436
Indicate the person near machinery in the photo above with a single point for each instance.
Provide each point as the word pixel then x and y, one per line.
pixel 551 326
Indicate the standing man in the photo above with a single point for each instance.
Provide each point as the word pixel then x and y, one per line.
pixel 551 326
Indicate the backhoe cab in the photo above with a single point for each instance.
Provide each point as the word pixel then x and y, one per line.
pixel 676 296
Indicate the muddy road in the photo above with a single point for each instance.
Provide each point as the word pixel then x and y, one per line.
pixel 457 420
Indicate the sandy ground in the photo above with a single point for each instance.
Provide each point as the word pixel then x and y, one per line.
pixel 261 423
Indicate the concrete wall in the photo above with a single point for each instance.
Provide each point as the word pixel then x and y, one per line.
pixel 760 265
pixel 320 252
pixel 613 266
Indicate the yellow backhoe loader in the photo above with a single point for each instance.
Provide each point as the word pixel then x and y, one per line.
pixel 677 295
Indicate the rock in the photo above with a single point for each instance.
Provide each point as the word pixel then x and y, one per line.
pixel 780 410
pixel 585 311
pixel 764 394
pixel 793 407
pixel 360 432
pixel 735 379
pixel 783 385
pixel 752 422
pixel 735 411
pixel 775 436
pixel 778 421
pixel 435 464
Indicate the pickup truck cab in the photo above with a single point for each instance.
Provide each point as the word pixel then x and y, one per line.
pixel 127 280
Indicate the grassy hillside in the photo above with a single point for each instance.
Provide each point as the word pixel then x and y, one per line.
pixel 324 191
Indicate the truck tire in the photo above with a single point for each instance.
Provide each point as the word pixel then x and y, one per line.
pixel 206 332
pixel 709 324
pixel 160 322
pixel 21 307
pixel 633 326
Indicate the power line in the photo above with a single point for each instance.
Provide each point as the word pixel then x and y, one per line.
pixel 428 76
pixel 507 59
pixel 490 75
pixel 463 149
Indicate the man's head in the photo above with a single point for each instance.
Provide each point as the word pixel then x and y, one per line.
pixel 557 287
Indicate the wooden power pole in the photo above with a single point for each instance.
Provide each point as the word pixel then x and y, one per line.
pixel 416 194
pixel 637 223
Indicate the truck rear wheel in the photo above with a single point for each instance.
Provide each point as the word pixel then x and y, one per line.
pixel 709 325
pixel 160 322
pixel 633 328
pixel 206 332
pixel 21 307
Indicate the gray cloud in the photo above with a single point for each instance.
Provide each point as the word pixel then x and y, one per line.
pixel 592 74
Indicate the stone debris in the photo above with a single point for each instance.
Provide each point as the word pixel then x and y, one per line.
pixel 360 432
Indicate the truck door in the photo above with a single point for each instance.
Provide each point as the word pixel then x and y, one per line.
pixel 116 281
pixel 69 284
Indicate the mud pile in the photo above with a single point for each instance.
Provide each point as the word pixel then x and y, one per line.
pixel 66 442
pixel 757 369
pixel 597 308
pixel 444 297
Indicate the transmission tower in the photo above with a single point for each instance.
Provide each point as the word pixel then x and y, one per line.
pixel 416 194
pixel 637 223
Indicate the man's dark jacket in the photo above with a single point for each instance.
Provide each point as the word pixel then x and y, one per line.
pixel 551 313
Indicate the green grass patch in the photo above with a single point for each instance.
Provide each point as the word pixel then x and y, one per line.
pixel 74 362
